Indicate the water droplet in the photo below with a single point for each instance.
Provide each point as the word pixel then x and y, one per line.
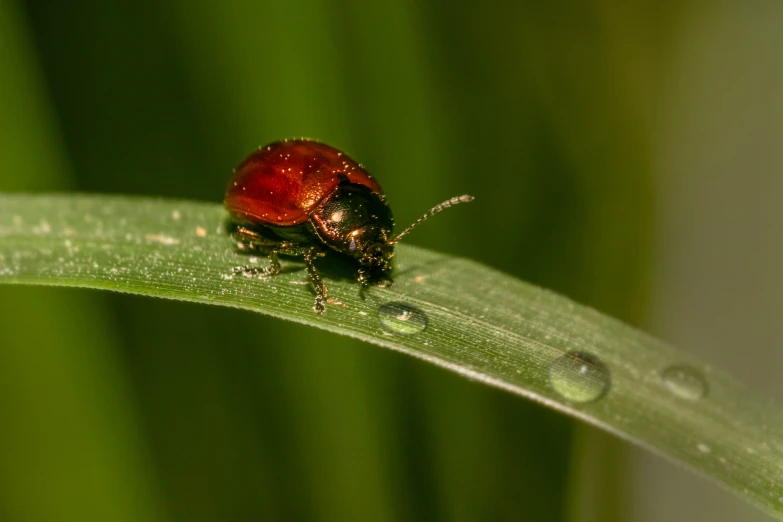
pixel 402 318
pixel 579 377
pixel 685 382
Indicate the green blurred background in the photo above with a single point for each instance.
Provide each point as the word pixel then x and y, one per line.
pixel 629 155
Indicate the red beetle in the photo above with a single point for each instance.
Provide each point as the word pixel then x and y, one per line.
pixel 304 198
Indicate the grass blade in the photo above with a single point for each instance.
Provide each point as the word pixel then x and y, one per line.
pixel 475 321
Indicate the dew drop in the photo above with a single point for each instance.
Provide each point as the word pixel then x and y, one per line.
pixel 579 377
pixel 402 318
pixel 685 382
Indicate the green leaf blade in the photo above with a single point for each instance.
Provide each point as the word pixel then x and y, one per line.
pixel 481 324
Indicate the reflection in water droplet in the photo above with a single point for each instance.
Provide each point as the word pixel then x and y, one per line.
pixel 402 318
pixel 685 382
pixel 579 377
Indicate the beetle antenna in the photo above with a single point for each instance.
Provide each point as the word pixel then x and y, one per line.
pixel 431 212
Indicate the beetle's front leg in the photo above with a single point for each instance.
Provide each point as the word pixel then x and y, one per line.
pixel 321 292
pixel 367 277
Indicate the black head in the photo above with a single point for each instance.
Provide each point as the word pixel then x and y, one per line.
pixel 356 221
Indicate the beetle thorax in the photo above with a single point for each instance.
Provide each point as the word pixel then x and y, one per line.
pixel 355 221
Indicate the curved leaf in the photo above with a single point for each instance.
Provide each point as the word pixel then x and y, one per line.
pixel 463 316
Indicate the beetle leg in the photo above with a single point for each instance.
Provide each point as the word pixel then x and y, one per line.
pixel 289 248
pixel 247 239
pixel 321 291
pixel 363 277
pixel 369 278
pixel 272 269
pixel 250 240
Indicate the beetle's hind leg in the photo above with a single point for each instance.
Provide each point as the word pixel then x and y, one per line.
pixel 272 269
pixel 250 240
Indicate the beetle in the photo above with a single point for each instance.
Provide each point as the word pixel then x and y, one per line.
pixel 302 197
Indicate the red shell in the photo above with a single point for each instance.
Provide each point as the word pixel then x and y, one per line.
pixel 282 184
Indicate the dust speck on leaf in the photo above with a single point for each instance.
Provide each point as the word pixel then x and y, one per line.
pixel 162 239
pixel 42 228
